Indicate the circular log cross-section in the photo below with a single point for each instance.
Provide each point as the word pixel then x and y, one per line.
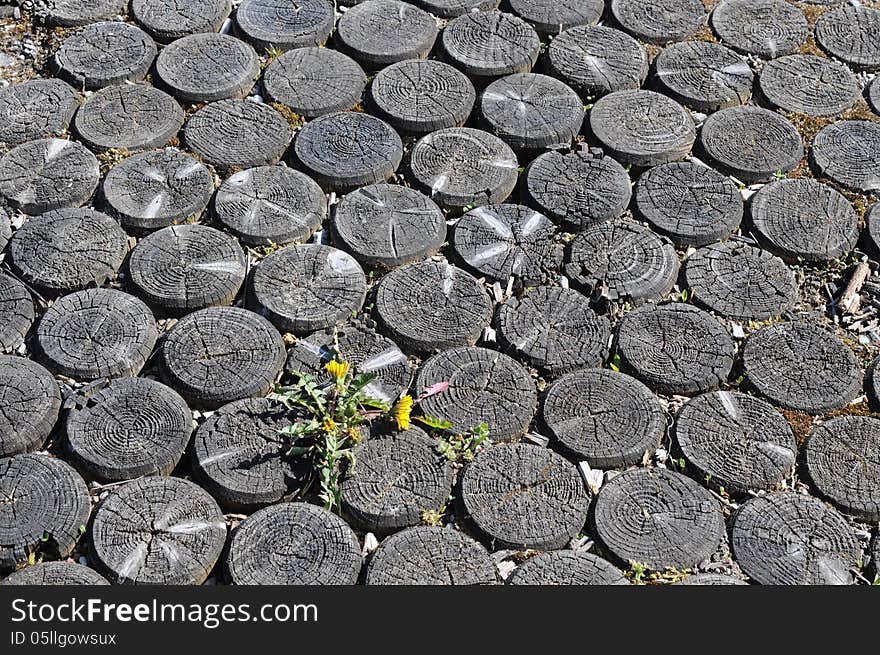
pixel 46 174
pixel 419 96
pixel 485 387
pixel 239 455
pixel 735 441
pixel 793 539
pixel 314 81
pixel 550 17
pixel 658 518
pixel 605 417
pixel 766 28
pixel 31 399
pixel 851 34
pixel 72 13
pixel 58 574
pixel 621 261
pixel 432 305
pixel 802 367
pixel 740 281
pixel 67 250
pixel 508 241
pixel 388 225
pixel 802 219
pixel 872 384
pixel 873 96
pixel 293 544
pixel 220 354
pixel 659 21
pixel 45 505
pixel 130 116
pixel 431 556
pixel 596 60
pixel 365 350
pixel 131 428
pixel 308 287
pixel 577 189
pixel 284 25
pixel 186 267
pixel 642 128
pixel 96 333
pixel 848 152
pixel 524 496
pixel 460 167
pixel 751 143
pixel 554 330
pixel 156 189
pixel 233 134
pixel 397 476
pixel 270 205
pixel 157 530
pixel 345 150
pixel 532 112
pixel 380 32
pixel 693 205
pixel 675 349
pixel 566 567
pixel 16 312
pixel 35 109
pixel 5 230
pixel 808 84
pixel 452 8
pixel 841 459
pixel 489 44
pixel 167 20
pixel 703 76
pixel 104 53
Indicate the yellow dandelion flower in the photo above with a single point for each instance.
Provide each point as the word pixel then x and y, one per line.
pixel 337 370
pixel 328 425
pixel 354 434
pixel 402 410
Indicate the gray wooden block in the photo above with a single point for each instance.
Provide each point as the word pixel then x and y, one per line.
pixel 156 189
pixel 131 428
pixel 319 548
pixel 659 21
pixel 157 530
pixel 873 94
pixel 233 134
pixel 642 128
pixel 55 574
pixel 461 167
pixel 848 152
pixel 658 518
pixel 735 441
pixel 804 219
pixel 691 204
pixel 96 333
pixel 285 25
pixel 808 84
pixel 314 81
pixel 792 539
pixel 485 386
pixel 71 13
pixel 851 34
pixel 551 18
pixel 130 116
pixel 31 401
pixel 675 348
pixel 428 305
pixel 766 28
pixel 802 367
pixel 621 261
pixel 489 44
pixel 453 8
pixel 45 174
pixel 187 267
pixel 595 60
pixel 35 109
pixel 303 288
pixel 67 250
pixel 46 503
pixel 388 225
pixel 566 567
pixel 376 33
pixel 524 496
pixel 16 312
pixel 208 67
pixel 167 20
pixel 104 53
pixel 220 354
pixel 604 417
pixel 577 189
pixel 431 556
pixel 751 143
pixel 704 579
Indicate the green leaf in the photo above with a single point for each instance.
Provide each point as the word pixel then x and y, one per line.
pixel 296 451
pixel 433 422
